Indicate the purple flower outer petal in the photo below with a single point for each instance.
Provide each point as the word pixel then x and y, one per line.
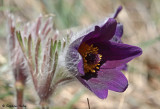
pixel 123 67
pixel 96 86
pixel 83 82
pixel 72 57
pixel 117 38
pixel 117 11
pixel 106 32
pixel 80 67
pixel 118 34
pixel 119 30
pixel 114 79
pixel 117 54
pixel 111 79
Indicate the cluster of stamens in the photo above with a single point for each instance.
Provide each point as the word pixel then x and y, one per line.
pixel 91 58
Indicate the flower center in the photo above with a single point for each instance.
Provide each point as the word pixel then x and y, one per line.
pixel 91 58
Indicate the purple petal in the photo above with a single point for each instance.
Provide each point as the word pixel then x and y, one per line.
pixel 80 67
pixel 83 82
pixel 117 54
pixel 119 30
pixel 111 79
pixel 123 67
pixel 72 58
pixel 96 86
pixel 114 79
pixel 118 34
pixel 105 32
pixel 117 11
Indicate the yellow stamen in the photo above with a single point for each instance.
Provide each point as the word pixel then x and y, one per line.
pixel 84 50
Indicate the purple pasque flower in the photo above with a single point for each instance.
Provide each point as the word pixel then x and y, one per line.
pixel 98 57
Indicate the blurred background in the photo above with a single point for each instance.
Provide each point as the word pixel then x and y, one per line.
pixel 141 20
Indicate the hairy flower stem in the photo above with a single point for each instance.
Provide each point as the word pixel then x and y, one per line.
pixel 44 105
pixel 19 94
pixel 19 99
